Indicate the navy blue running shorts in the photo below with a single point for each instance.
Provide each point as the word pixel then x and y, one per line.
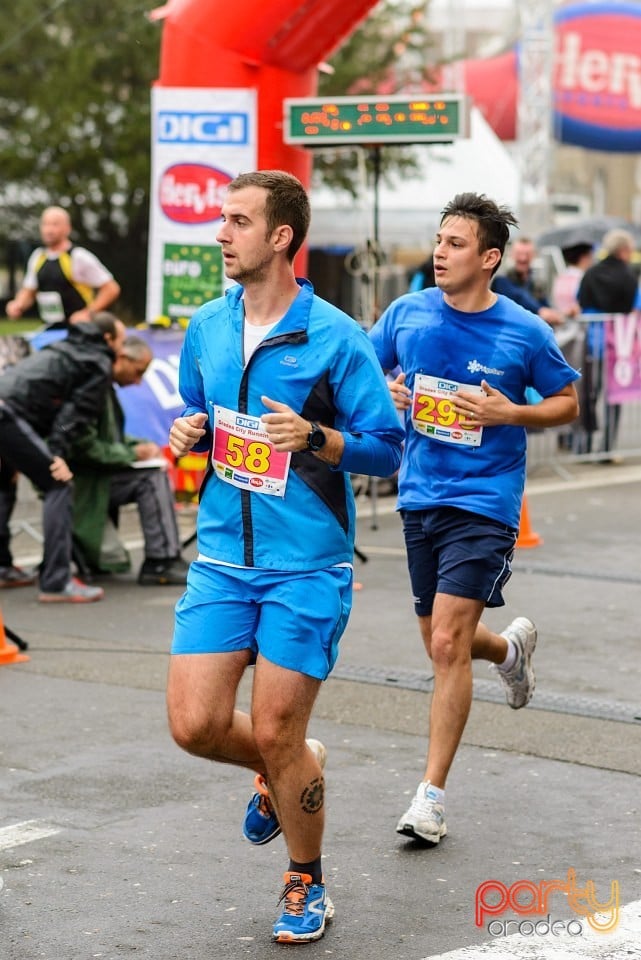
pixel 458 553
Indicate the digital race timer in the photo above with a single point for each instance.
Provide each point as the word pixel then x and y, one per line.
pixel 323 122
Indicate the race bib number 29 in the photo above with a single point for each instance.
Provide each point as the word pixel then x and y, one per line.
pixel 245 457
pixel 433 413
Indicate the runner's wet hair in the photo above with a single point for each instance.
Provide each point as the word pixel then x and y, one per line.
pixel 287 203
pixel 493 221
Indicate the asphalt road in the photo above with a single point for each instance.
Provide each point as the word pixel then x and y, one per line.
pixel 115 844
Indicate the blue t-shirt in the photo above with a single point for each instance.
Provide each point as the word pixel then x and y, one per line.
pixel 508 347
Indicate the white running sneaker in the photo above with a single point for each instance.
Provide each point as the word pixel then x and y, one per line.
pixel 425 819
pixel 319 750
pixel 519 681
pixel 75 592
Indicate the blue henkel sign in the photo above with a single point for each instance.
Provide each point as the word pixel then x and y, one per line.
pixel 597 76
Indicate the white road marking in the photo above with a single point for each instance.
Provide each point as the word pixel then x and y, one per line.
pixel 25 832
pixel 623 942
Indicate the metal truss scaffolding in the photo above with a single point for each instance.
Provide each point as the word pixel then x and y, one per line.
pixel 534 116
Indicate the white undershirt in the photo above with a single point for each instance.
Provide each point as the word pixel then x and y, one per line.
pixel 253 335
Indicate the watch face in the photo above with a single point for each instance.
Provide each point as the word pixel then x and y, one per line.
pixel 316 439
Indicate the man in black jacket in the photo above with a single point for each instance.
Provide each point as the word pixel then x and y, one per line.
pixel 45 401
pixel 112 468
pixel 608 286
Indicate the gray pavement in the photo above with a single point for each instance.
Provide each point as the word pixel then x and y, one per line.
pixel 140 852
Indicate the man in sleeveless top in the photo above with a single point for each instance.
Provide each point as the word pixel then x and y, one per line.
pixel 68 283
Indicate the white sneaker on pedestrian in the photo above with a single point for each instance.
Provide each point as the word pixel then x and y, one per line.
pixel 519 681
pixel 75 592
pixel 425 819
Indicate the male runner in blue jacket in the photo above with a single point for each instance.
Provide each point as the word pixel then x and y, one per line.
pixel 286 393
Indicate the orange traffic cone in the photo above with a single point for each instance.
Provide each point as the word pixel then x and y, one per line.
pixel 527 537
pixel 9 653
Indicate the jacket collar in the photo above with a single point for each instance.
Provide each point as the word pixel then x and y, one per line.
pixel 297 317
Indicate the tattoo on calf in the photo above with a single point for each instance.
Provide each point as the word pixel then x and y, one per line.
pixel 313 797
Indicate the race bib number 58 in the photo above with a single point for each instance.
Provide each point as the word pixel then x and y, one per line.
pixel 433 413
pixel 245 457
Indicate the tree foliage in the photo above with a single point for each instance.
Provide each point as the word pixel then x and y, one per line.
pixel 75 77
pixel 390 52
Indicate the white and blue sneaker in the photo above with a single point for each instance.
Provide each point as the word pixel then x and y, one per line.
pixel 306 910
pixel 261 823
pixel 519 681
pixel 425 819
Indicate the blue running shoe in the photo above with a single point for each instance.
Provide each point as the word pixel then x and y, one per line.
pixel 306 910
pixel 261 823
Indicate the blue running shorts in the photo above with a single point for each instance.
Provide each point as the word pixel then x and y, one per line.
pixel 294 620
pixel 459 553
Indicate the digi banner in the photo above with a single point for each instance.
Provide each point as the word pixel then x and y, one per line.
pixel 151 407
pixel 201 139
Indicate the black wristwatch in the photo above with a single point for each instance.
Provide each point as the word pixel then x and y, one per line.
pixel 316 439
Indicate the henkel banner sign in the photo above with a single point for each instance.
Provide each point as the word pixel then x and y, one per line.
pixel 597 76
pixel 201 139
pixel 192 192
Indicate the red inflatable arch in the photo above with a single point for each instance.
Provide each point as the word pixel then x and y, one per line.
pixel 273 46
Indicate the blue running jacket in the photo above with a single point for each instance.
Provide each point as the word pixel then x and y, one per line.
pixel 319 362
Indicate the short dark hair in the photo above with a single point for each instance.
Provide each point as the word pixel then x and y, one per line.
pixel 287 202
pixel 106 322
pixel 576 252
pixel 135 348
pixel 493 221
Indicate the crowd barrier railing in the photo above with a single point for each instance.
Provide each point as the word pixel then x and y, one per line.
pixel 606 350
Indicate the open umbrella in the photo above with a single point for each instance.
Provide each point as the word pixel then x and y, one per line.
pixel 590 230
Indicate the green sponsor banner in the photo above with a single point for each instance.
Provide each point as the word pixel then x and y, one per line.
pixel 191 275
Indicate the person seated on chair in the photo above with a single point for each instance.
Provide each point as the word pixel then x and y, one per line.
pixel 112 468
pixel 45 401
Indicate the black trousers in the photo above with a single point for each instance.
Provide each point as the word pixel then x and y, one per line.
pixel 23 451
pixel 149 489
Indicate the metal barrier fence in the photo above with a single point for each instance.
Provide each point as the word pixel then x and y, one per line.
pixel 606 349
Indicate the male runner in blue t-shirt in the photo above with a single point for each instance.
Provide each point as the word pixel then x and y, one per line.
pixel 467 355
